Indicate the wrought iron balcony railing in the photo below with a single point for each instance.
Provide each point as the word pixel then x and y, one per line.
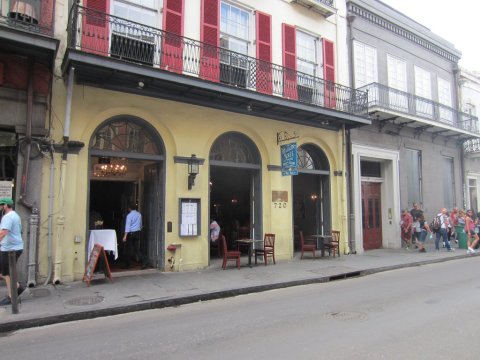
pixel 102 34
pixel 472 146
pixel 35 16
pixel 384 97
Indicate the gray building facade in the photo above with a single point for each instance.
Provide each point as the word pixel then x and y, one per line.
pixel 413 150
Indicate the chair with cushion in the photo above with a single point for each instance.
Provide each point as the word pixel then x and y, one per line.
pixel 229 254
pixel 267 250
pixel 306 246
pixel 333 246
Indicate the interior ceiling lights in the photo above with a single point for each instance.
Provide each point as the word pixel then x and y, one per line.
pixel 106 168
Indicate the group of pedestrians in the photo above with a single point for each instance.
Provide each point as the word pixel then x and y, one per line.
pixel 414 228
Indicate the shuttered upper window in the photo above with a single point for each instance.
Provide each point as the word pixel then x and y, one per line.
pixel 234 28
pixel 365 63
pixel 308 53
pixel 141 11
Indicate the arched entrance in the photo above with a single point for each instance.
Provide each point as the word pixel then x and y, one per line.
pixel 127 166
pixel 311 193
pixel 235 187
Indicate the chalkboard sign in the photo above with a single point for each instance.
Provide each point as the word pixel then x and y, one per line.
pixel 97 253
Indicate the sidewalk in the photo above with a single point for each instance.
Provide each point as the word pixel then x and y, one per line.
pixel 149 289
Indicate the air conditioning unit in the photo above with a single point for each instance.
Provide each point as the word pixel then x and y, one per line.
pixel 26 11
pixel 324 7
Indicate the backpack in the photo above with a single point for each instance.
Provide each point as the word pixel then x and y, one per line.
pixel 436 224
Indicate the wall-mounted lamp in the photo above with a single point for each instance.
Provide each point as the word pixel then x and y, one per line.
pixel 193 167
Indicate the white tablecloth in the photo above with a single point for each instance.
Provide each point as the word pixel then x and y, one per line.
pixel 106 238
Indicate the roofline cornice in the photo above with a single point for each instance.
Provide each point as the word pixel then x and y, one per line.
pixel 373 18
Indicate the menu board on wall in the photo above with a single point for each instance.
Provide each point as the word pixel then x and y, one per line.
pixel 189 217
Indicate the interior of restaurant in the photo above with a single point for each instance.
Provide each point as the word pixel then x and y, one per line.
pixel 230 204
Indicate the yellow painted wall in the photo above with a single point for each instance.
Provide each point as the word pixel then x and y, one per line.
pixel 185 129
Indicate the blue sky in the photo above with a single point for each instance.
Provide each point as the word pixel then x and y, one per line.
pixel 457 21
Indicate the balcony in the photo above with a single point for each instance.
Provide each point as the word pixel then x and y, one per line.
pixel 423 115
pixel 26 29
pixel 472 147
pixel 324 7
pixel 35 16
pixel 118 54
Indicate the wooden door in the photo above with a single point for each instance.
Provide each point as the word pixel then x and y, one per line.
pixel 371 215
pixel 152 215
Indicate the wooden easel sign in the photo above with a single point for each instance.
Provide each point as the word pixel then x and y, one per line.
pixel 97 253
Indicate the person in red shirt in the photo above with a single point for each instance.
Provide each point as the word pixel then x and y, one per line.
pixel 406 228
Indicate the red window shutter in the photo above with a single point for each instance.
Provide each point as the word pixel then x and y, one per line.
pixel 95 29
pixel 329 73
pixel 289 62
pixel 46 14
pixel 210 38
pixel 172 47
pixel 264 52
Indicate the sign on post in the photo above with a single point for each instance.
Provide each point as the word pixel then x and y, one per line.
pixel 288 154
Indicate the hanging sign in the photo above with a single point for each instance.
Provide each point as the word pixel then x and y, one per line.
pixel 288 154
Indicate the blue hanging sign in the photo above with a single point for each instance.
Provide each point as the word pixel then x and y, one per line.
pixel 288 154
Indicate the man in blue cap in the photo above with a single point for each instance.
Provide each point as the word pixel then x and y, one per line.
pixel 10 240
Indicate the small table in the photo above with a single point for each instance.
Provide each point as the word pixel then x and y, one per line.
pixel 321 241
pixel 106 238
pixel 248 242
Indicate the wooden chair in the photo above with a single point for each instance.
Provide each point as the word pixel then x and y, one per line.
pixel 306 247
pixel 333 246
pixel 268 249
pixel 229 254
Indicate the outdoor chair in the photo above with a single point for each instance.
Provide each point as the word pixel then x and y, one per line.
pixel 306 246
pixel 333 246
pixel 229 254
pixel 267 250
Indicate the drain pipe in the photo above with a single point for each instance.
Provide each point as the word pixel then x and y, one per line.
pixel 57 275
pixel 50 215
pixel 28 137
pixel 348 139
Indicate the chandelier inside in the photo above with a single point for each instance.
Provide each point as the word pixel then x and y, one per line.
pixel 107 167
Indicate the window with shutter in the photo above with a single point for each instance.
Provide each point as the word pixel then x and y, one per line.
pixel 95 28
pixel 131 43
pixel 329 73
pixel 397 80
pixel 264 52
pixel 289 62
pixel 172 45
pixel 307 47
pixel 445 98
pixel 423 89
pixel 234 36
pixel 210 38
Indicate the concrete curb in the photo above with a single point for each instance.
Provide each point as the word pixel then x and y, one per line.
pixel 163 303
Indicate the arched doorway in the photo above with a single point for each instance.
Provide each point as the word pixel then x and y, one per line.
pixel 235 187
pixel 311 193
pixel 127 166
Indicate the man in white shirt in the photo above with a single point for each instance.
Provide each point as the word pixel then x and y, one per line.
pixel 133 228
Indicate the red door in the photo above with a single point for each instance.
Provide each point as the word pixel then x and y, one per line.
pixel 371 216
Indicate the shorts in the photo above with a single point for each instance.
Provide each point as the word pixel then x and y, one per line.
pixel 4 265
pixel 471 233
